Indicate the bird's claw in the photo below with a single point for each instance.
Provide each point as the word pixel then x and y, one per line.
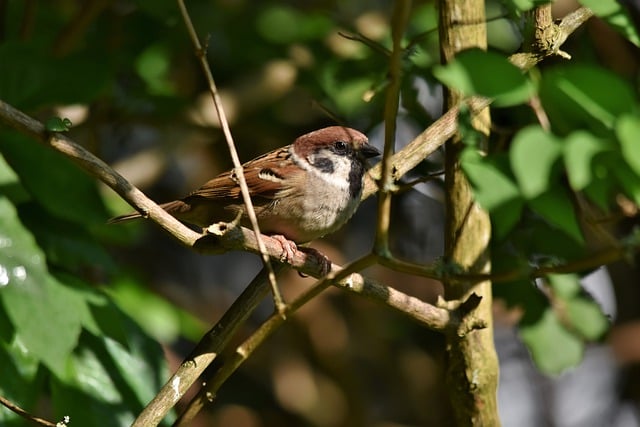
pixel 289 248
pixel 323 261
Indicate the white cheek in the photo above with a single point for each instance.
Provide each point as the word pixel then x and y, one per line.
pixel 339 178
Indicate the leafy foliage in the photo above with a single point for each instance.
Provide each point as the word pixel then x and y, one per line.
pixel 93 352
pixel 531 189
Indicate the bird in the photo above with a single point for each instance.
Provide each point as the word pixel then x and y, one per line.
pixel 300 192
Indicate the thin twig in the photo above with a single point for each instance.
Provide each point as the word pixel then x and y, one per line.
pixel 406 186
pixel 239 172
pixel 24 414
pixel 372 44
pixel 399 21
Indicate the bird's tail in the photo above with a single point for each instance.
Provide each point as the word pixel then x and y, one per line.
pixel 123 218
pixel 177 208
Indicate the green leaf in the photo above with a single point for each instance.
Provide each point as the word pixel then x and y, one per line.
pixel 553 348
pixel 582 96
pixel 612 12
pixel 503 32
pixel 533 154
pixel 53 180
pixel 141 364
pixel 580 149
pixel 160 319
pixel 108 384
pixel 545 244
pixel 154 65
pixel 565 286
pixel 474 71
pixel 66 245
pixel 628 132
pixel 522 294
pixel 525 5
pixel 587 318
pixel 10 185
pixel 505 217
pixel 583 312
pixel 556 208
pixel 93 394
pixel 493 187
pixel 20 380
pixel 46 315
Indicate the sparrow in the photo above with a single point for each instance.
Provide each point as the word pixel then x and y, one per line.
pixel 300 192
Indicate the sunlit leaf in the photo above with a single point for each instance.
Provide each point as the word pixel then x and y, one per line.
pixel 473 72
pixel 580 148
pixel 533 155
pixel 553 348
pixel 582 312
pixel 46 315
pixel 584 97
pixel 628 132
pixel 492 184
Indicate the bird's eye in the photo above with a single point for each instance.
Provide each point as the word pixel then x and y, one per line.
pixel 340 146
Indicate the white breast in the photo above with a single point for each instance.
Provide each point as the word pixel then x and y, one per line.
pixel 324 206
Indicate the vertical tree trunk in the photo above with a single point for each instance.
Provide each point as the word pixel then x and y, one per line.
pixel 472 365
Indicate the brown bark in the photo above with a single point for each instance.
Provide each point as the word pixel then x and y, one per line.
pixel 472 365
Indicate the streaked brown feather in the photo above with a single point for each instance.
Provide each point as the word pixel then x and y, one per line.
pixel 226 186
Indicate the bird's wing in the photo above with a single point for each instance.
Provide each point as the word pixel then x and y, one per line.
pixel 264 176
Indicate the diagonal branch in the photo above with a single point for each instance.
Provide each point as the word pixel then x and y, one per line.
pixel 24 414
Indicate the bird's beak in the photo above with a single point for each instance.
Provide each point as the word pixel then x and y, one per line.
pixel 369 151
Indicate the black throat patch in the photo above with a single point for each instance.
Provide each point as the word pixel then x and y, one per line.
pixel 355 178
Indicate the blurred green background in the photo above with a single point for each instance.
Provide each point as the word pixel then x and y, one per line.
pixel 103 313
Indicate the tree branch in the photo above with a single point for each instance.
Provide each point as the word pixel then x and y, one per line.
pixel 24 414
pixel 471 359
pixel 399 21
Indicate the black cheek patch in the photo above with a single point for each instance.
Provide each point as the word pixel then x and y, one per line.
pixel 355 178
pixel 324 164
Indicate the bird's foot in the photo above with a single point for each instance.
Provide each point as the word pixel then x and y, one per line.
pixel 323 261
pixel 289 248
